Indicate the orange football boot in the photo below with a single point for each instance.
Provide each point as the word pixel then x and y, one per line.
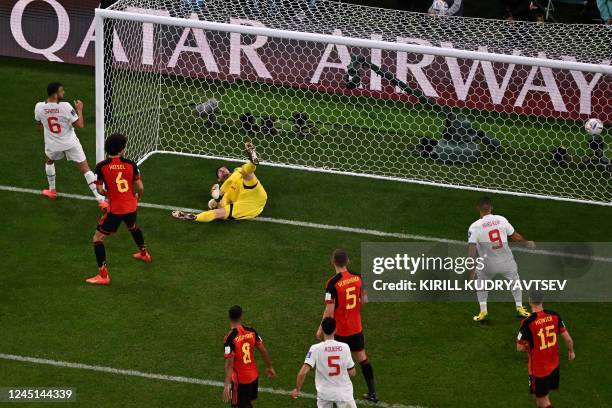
pixel 52 194
pixel 102 278
pixel 143 256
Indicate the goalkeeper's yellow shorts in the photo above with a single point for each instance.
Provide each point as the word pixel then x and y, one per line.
pixel 251 202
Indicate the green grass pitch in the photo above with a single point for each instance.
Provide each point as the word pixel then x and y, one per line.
pixel 169 317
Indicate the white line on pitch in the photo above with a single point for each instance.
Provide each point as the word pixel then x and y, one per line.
pixel 306 224
pixel 165 377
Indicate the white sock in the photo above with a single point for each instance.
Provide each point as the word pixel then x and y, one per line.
pixel 90 177
pixel 50 170
pixel 518 297
pixel 483 306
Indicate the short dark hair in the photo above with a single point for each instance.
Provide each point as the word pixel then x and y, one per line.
pixel 484 203
pixel 340 258
pixel 115 143
pixel 536 297
pixel 53 87
pixel 235 313
pixel 328 324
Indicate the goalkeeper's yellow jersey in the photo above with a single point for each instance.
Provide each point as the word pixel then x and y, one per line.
pixel 232 186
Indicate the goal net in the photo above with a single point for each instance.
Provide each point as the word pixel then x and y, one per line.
pixel 332 87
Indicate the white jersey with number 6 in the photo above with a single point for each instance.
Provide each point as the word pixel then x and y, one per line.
pixel 57 120
pixel 332 359
pixel 490 234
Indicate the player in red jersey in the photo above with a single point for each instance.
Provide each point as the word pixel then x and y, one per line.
pixel 241 374
pixel 118 180
pixel 343 297
pixel 538 336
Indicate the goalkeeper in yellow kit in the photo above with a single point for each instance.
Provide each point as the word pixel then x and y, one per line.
pixel 238 196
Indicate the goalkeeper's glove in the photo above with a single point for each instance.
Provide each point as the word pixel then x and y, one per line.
pixel 215 192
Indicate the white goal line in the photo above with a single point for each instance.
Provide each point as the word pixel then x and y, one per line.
pixel 172 378
pixel 329 227
pixel 354 42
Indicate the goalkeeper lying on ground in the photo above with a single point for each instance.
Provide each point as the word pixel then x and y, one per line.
pixel 241 195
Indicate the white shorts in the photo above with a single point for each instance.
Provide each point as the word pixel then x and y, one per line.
pixel 75 153
pixel 339 404
pixel 508 270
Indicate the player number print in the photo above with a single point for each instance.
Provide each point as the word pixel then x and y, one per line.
pixel 547 333
pixel 122 184
pixel 351 298
pixel 495 237
pixel 246 353
pixel 54 126
pixel 332 363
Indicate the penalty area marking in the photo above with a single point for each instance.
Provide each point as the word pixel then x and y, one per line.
pixel 314 225
pixel 171 378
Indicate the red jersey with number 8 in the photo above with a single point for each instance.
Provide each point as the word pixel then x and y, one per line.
pixel 240 345
pixel 118 176
pixel 344 291
pixel 540 332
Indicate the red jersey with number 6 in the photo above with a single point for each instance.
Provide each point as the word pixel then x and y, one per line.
pixel 240 345
pixel 118 176
pixel 540 332
pixel 344 291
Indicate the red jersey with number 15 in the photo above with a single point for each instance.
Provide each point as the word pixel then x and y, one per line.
pixel 540 332
pixel 240 345
pixel 344 291
pixel 118 176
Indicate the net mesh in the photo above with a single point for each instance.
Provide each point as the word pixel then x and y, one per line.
pixel 439 120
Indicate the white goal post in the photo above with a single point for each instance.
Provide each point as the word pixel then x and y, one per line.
pixel 195 79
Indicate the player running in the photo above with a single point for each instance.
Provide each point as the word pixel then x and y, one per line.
pixel 58 120
pixel 119 180
pixel 488 239
pixel 334 368
pixel 538 337
pixel 343 297
pixel 241 374
pixel 240 197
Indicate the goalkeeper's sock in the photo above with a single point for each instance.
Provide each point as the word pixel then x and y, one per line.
pixel 50 170
pixel 100 252
pixel 248 168
pixel 206 216
pixel 90 177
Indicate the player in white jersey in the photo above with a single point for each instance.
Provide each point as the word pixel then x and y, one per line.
pixel 488 239
pixel 334 368
pixel 58 120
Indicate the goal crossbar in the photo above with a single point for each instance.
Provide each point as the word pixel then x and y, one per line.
pixel 356 42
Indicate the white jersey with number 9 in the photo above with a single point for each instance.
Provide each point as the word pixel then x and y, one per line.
pixel 57 120
pixel 490 234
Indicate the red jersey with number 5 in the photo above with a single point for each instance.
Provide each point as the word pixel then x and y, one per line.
pixel 118 176
pixel 540 332
pixel 240 345
pixel 344 291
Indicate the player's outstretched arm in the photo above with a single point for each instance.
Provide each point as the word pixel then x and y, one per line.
pixel 80 122
pixel 569 343
pixel 516 237
pixel 227 385
pixel 266 357
pixel 299 381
